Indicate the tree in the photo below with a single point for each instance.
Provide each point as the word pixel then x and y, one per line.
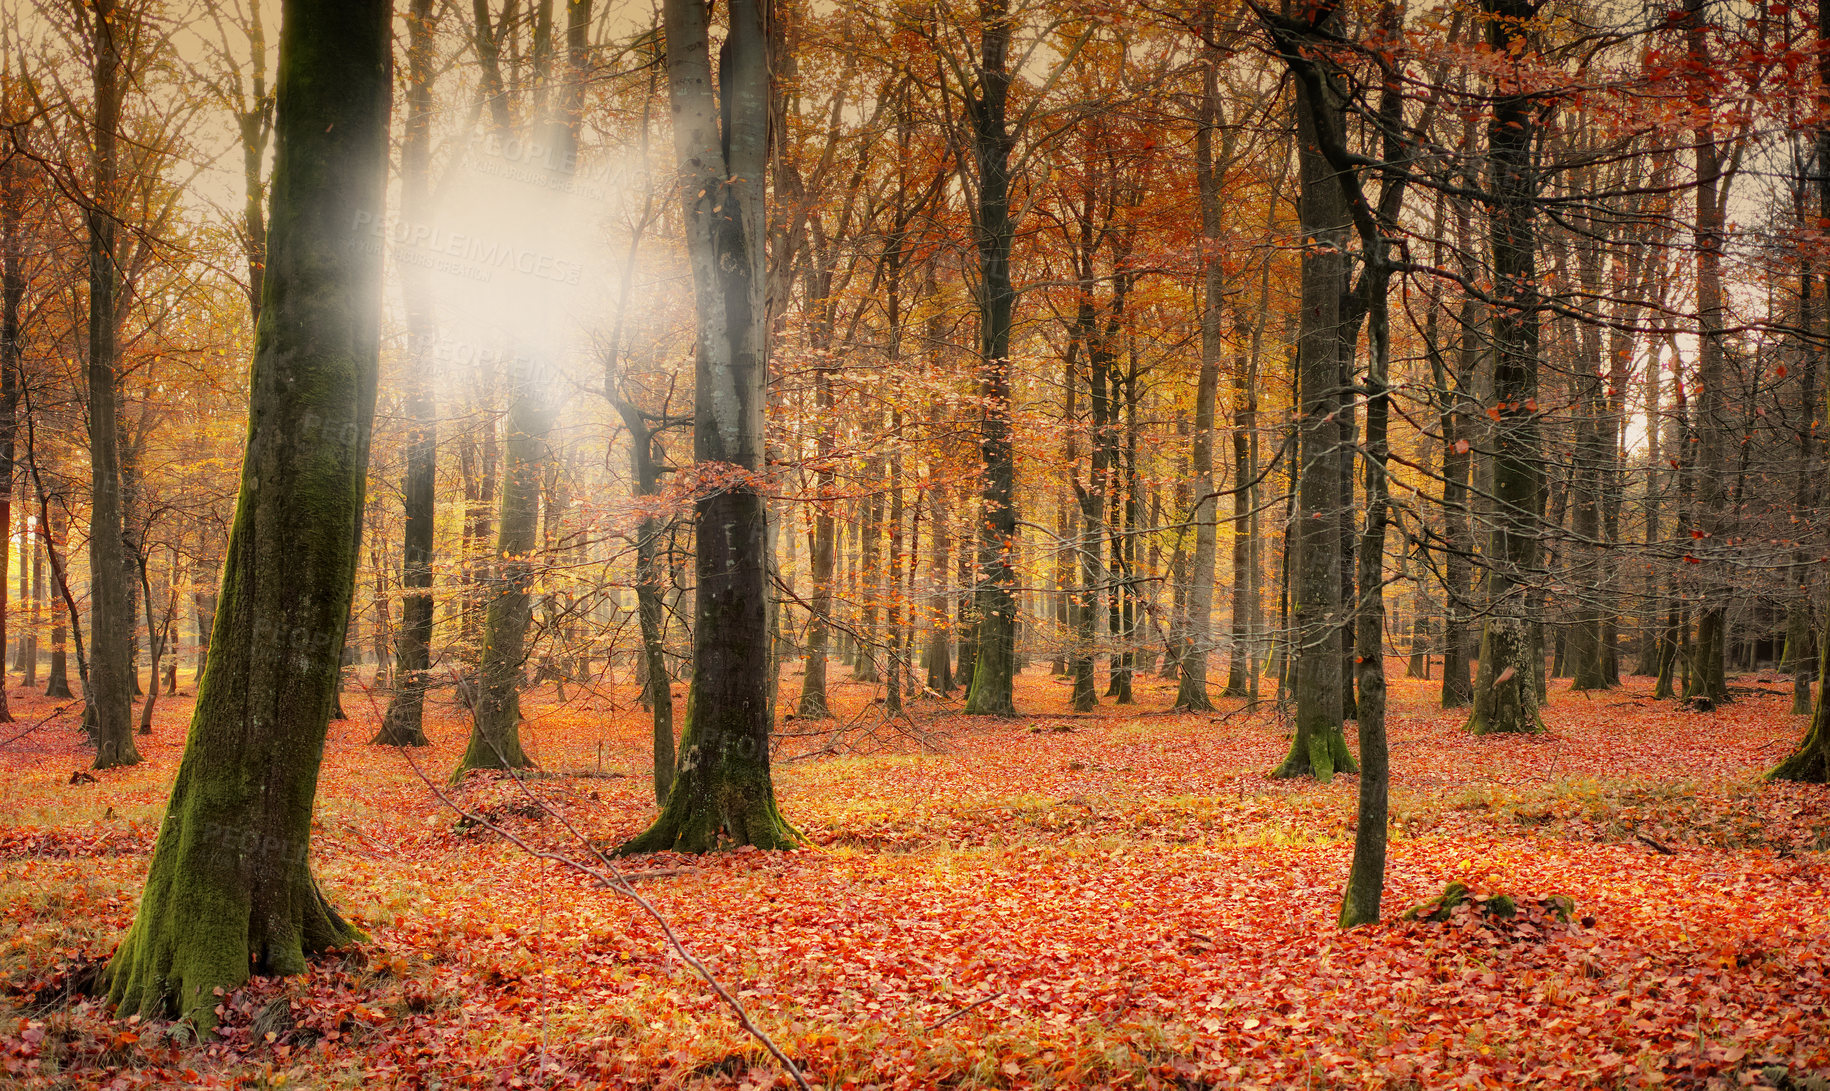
pixel 402 723
pixel 1505 686
pixel 229 890
pixel 722 791
pixel 994 228
pixel 110 682
pixel 1198 639
pixel 495 737
pixel 1319 747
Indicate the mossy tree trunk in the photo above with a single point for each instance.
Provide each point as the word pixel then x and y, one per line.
pixel 403 722
pixel 1505 683
pixel 1811 761
pixel 229 891
pixel 722 792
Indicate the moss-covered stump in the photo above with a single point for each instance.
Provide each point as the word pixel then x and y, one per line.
pixel 1318 750
pixel 1493 908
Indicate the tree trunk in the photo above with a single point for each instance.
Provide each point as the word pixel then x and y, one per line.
pixel 403 722
pixel 12 293
pixel 1505 693
pixel 1319 748
pixel 723 792
pixel 1191 693
pixel 229 890
pixel 495 737
pixel 994 639
pixel 937 659
pixel 110 683
pixel 1708 684
pixel 813 704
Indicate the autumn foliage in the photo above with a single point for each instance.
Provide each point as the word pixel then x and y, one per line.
pixel 1059 900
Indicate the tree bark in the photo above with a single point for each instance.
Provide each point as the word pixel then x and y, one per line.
pixel 995 627
pixel 1505 693
pixel 229 890
pixel 723 792
pixel 403 722
pixel 1319 748
pixel 1191 692
pixel 12 294
pixel 110 682
pixel 1708 684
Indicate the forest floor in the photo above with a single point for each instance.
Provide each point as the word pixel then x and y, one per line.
pixel 1060 900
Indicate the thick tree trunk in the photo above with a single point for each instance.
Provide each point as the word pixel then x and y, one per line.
pixel 723 791
pixel 229 890
pixel 1811 761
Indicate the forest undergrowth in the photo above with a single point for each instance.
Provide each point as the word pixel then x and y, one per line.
pixel 1061 900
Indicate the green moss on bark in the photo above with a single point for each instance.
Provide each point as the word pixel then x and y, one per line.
pixel 229 891
pixel 722 797
pixel 1810 763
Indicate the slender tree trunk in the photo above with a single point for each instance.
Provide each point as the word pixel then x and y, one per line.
pixel 993 144
pixel 938 658
pixel 36 622
pixel 12 294
pixel 1319 747
pixel 403 722
pixel 495 738
pixel 1708 684
pixel 1505 686
pixel 229 891
pixel 813 703
pixel 110 683
pixel 1192 693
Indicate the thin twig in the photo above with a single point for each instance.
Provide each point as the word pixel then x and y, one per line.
pixel 610 876
pixel 950 1018
pixel 49 716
